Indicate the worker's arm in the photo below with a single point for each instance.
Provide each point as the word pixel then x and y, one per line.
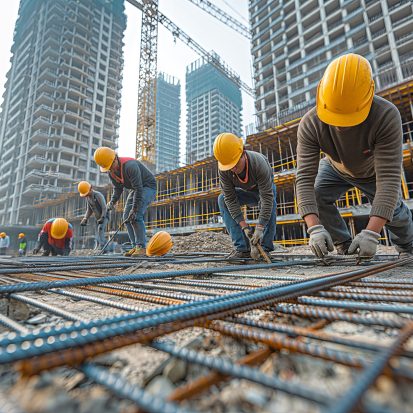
pixel 68 242
pixel 265 179
pixel 133 173
pixel 89 211
pixel 230 197
pixel 388 156
pixel 308 158
pixel 117 192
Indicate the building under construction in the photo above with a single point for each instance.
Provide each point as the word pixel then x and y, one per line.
pixel 187 197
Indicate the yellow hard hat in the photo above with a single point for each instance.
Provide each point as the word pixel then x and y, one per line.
pixel 59 228
pixel 159 244
pixel 228 149
pixel 345 92
pixel 21 235
pixel 2 234
pixel 84 188
pixel 104 157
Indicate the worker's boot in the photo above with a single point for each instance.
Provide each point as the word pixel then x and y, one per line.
pixel 235 254
pixel 139 252
pixel 130 252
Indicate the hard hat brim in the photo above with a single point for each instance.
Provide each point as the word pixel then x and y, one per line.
pixel 229 166
pixel 343 120
pixel 84 195
pixel 102 169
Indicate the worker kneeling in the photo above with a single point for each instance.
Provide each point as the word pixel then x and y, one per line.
pixel 133 175
pixel 55 238
pixel 96 204
pixel 246 178
pixel 361 135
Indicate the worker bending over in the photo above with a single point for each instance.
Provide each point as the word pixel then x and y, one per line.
pixel 55 238
pixel 133 175
pixel 96 204
pixel 245 178
pixel 22 244
pixel 361 135
pixel 4 243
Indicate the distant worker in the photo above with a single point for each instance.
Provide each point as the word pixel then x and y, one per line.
pixel 55 238
pixel 246 178
pixel 96 204
pixel 133 175
pixel 22 244
pixel 4 243
pixel 361 135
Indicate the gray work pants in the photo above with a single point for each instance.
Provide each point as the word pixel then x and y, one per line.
pixel 100 232
pixel 330 185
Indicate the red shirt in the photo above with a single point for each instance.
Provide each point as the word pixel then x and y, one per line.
pixel 58 243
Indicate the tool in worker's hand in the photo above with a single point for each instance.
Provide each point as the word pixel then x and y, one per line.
pixel 111 238
pixel 256 249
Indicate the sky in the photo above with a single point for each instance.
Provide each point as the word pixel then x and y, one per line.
pixel 173 56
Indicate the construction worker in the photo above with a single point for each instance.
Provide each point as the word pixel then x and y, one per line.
pixel 55 238
pixel 22 244
pixel 4 243
pixel 246 178
pixel 361 135
pixel 96 204
pixel 133 175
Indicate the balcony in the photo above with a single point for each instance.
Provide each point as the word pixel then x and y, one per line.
pixel 36 161
pixel 42 111
pixel 40 135
pixel 40 122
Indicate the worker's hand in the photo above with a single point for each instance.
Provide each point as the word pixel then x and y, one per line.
pixel 248 231
pixel 258 235
pixel 110 206
pixel 36 251
pixel 83 222
pixel 366 243
pixel 132 215
pixel 320 241
pixel 100 220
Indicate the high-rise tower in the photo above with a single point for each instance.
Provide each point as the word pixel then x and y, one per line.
pixel 214 106
pixel 294 40
pixel 61 101
pixel 168 114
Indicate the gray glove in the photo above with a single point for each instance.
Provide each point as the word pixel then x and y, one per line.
pixel 320 241
pixel 83 222
pixel 248 231
pixel 366 242
pixel 110 206
pixel 258 235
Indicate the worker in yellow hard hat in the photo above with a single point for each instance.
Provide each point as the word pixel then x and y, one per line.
pixel 22 244
pixel 361 136
pixel 96 204
pixel 246 178
pixel 133 175
pixel 4 243
pixel 55 238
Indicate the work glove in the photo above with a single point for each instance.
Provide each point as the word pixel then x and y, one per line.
pixel 258 235
pixel 100 220
pixel 36 251
pixel 132 215
pixel 366 243
pixel 110 206
pixel 83 222
pixel 320 241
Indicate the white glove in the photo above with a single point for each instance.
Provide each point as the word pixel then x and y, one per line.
pixel 320 241
pixel 366 242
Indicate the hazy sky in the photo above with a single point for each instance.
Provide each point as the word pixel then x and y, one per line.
pixel 173 57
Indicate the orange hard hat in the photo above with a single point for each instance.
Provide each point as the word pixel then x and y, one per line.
pixel 84 188
pixel 104 157
pixel 159 244
pixel 228 149
pixel 59 228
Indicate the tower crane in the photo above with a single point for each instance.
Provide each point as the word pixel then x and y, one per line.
pixel 146 124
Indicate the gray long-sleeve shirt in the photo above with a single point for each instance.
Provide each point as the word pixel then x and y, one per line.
pixel 260 179
pixel 371 151
pixel 96 204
